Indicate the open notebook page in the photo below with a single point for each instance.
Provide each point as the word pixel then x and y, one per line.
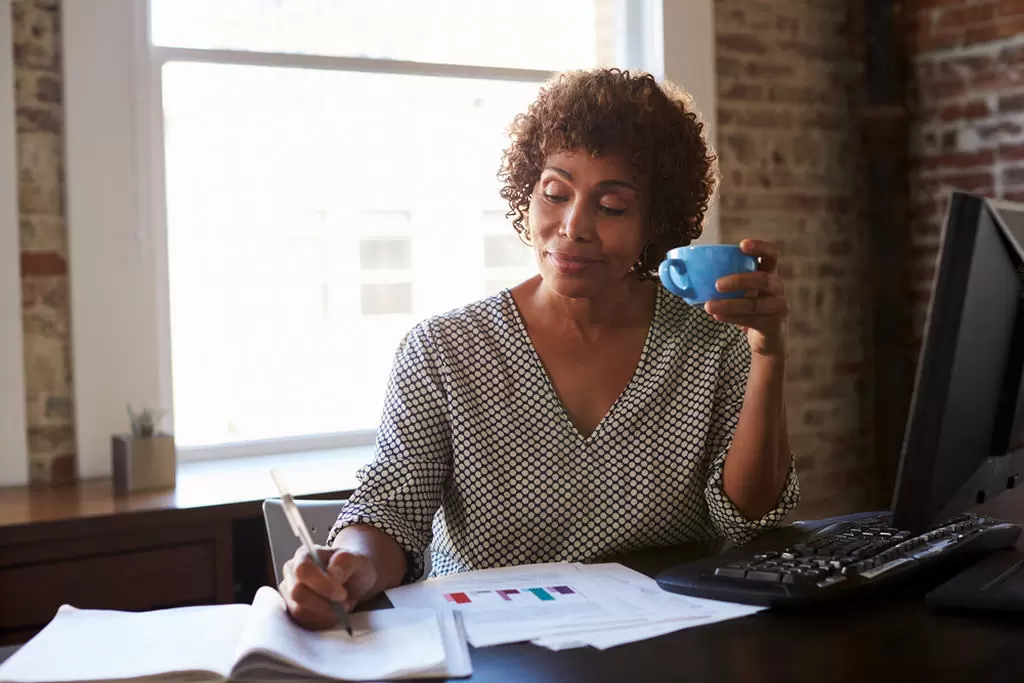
pixel 104 645
pixel 386 644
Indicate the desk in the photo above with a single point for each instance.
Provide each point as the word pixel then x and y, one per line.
pixel 874 640
pixel 881 639
pixel 878 639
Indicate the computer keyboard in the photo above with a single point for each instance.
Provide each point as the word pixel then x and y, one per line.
pixel 849 556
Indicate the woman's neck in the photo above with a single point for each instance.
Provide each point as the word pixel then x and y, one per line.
pixel 629 305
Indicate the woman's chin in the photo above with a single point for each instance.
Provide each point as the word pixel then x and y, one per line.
pixel 574 286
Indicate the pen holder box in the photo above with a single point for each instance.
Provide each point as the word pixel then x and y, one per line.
pixel 143 463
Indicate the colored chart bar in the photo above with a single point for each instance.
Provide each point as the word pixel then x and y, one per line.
pixel 541 593
pixel 564 590
pixel 506 594
pixel 458 598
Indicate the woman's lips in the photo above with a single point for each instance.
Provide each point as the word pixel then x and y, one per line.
pixel 571 264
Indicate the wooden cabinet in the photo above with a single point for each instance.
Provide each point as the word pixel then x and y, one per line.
pixel 202 543
pixel 144 570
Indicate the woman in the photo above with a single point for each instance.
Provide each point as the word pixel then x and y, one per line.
pixel 586 411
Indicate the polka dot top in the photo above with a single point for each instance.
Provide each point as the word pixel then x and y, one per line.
pixel 477 460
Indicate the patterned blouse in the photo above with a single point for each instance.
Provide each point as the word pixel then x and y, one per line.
pixel 477 460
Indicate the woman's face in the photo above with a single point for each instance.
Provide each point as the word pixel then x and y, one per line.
pixel 586 223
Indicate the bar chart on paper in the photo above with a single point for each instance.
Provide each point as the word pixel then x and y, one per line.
pixel 514 597
pixel 512 604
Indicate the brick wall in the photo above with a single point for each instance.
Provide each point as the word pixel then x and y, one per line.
pixel 967 103
pixel 791 162
pixel 36 28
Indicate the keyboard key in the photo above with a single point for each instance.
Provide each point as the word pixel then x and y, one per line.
pixel 731 572
pixel 761 575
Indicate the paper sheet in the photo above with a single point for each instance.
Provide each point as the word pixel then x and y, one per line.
pixel 84 644
pixel 561 605
pixel 514 604
pixel 678 612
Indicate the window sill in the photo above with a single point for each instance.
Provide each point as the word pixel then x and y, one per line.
pixel 233 484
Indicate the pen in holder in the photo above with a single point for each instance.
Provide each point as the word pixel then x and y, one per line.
pixel 146 459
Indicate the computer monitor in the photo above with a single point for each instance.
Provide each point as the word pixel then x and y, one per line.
pixel 964 439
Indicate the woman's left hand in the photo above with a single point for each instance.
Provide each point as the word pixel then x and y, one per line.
pixel 762 312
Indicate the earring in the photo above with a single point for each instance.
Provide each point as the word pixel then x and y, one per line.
pixel 641 267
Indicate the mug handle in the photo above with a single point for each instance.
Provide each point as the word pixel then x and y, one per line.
pixel 664 272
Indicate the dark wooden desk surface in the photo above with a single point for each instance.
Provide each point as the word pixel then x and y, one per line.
pixel 885 638
pixel 892 638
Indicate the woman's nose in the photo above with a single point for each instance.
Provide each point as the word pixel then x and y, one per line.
pixel 578 224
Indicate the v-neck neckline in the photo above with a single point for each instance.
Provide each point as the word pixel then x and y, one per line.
pixel 545 378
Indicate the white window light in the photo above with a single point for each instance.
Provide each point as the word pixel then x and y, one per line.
pixel 125 191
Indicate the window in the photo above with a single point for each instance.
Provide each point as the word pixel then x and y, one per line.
pixel 267 194
pixel 316 211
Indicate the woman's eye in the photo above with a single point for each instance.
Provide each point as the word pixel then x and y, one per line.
pixel 612 211
pixel 554 198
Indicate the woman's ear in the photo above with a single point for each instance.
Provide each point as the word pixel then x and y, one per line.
pixel 524 234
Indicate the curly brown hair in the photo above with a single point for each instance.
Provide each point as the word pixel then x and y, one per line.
pixel 611 111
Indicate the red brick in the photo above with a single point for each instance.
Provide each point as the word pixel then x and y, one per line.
pixel 768 117
pixel 936 91
pixel 1013 176
pixel 760 68
pixel 42 263
pixel 1011 152
pixel 957 160
pixel 786 94
pixel 928 40
pixel 991 32
pixel 745 92
pixel 847 368
pixel 924 5
pixel 829 51
pixel 975 109
pixel 63 469
pixel 965 180
pixel 839 248
pixel 743 44
pixel 998 82
pixel 1014 195
pixel 1011 103
pixel 1007 8
pixel 957 16
pixel 728 67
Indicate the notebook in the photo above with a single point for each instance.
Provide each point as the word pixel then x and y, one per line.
pixel 254 643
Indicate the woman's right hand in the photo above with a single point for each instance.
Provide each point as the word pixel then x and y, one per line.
pixel 307 591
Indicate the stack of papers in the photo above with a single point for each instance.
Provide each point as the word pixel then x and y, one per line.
pixel 563 605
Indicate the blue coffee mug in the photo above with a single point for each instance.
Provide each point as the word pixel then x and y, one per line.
pixel 691 272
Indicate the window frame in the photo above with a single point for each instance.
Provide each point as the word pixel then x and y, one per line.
pixel 13 415
pixel 115 196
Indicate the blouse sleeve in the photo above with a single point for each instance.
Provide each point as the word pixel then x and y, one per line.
pixel 731 386
pixel 400 491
